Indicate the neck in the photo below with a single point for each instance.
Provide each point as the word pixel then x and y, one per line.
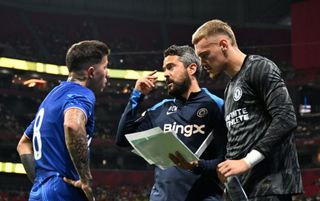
pixel 235 62
pixel 194 87
pixel 77 78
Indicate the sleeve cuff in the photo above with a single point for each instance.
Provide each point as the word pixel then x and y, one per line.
pixel 136 92
pixel 253 158
pixel 199 168
pixel 25 134
pixel 206 165
pixel 135 98
pixel 83 110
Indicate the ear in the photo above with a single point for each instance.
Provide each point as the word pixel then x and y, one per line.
pixel 223 45
pixel 90 72
pixel 192 69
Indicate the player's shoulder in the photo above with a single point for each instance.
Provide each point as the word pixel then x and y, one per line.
pixel 76 90
pixel 211 97
pixel 162 104
pixel 259 63
pixel 77 87
pixel 69 92
pixel 257 58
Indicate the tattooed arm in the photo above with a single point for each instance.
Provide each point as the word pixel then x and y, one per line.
pixel 76 141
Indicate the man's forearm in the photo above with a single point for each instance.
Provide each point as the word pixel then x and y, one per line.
pixel 127 123
pixel 29 165
pixel 25 151
pixel 78 149
pixel 206 165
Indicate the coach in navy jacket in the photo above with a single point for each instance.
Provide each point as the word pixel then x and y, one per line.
pixel 192 113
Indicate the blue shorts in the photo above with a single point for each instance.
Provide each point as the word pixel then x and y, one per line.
pixel 55 189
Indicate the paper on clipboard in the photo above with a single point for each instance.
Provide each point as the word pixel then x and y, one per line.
pixel 154 146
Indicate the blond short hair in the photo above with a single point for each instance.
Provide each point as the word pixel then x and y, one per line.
pixel 213 27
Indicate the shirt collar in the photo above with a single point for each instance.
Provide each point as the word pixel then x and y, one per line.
pixel 192 96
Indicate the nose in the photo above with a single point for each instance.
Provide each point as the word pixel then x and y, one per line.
pixel 106 72
pixel 107 76
pixel 204 64
pixel 201 59
pixel 166 73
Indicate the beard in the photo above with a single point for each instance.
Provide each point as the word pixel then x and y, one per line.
pixel 179 88
pixel 96 86
pixel 215 75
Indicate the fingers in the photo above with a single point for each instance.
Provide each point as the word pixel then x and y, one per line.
pixel 229 173
pixel 149 83
pixel 232 167
pixel 181 158
pixel 152 77
pixel 89 195
pixel 70 181
pixel 223 163
pixel 174 159
pixel 178 159
pixel 225 169
pixel 152 73
pixel 179 155
pixel 222 178
pixel 145 85
pixel 145 82
pixel 178 162
pixel 86 188
pixel 181 162
pixel 88 191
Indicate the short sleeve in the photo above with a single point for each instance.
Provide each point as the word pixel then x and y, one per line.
pixel 82 102
pixel 29 131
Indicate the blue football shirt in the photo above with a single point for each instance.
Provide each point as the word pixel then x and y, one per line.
pixel 47 132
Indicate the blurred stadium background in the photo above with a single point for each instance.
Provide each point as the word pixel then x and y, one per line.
pixel 35 35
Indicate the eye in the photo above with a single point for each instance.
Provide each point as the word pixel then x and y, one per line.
pixel 169 67
pixel 204 56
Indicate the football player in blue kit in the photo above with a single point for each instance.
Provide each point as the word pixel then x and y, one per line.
pixel 54 149
pixel 192 114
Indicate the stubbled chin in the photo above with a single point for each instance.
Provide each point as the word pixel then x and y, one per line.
pixel 213 75
pixel 101 89
pixel 170 88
